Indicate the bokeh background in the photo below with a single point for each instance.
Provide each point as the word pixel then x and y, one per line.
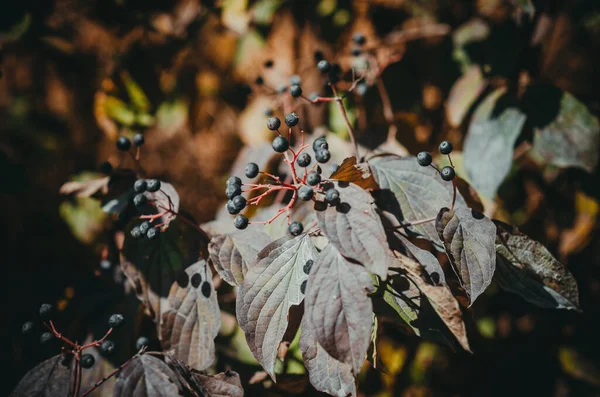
pixel 77 74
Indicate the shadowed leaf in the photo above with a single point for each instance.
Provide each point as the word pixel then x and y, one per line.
pixel 50 378
pixel 147 376
pixel 528 269
pixel 431 265
pixel 338 308
pixel 271 287
pixel 167 197
pixel 469 238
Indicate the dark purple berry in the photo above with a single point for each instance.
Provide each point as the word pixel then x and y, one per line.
pixel 27 327
pixel 322 156
pixel 273 123
pixel 303 160
pixel 447 173
pixel 305 193
pixel 87 361
pixel 46 312
pixel 424 159
pixel 140 200
pixel 291 119
pixel 280 144
pixel 140 186
pixel 141 342
pixel 153 185
pixel 295 228
pixel 239 202
pixel 359 38
pixel 123 143
pixel 138 140
pixel 251 170
pixel 152 233
pixel 295 90
pixel 116 321
pixel 240 222
pixel 445 147
pixel 234 180
pixel 313 179
pixel 108 347
pixel 324 66
pixel 332 195
pixel 233 190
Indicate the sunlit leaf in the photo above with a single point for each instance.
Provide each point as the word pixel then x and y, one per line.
pixel 359 174
pixel 118 110
pixel 463 94
pixel 136 95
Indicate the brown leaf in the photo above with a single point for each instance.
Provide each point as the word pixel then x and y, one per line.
pixel 359 174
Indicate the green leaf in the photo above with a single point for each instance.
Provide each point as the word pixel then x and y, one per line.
pixel 270 288
pixel 137 96
pixel 488 148
pixel 469 239
pixel 118 110
pixel 528 269
pixel 572 139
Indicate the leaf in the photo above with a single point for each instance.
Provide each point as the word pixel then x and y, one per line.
pixel 136 95
pixel 528 269
pixel 572 139
pixel 118 111
pixel 50 378
pixel 359 174
pixel 147 376
pixel 469 237
pixel 326 374
pixel 439 296
pixel 431 265
pixel 152 266
pixel 232 253
pixel 338 308
pixel 271 287
pixel 355 229
pixel 193 320
pixel 417 192
pixel 476 29
pixel 463 94
pixel 488 149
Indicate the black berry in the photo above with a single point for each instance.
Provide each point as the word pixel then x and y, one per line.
pixel 359 38
pixel 323 66
pixel 295 90
pixel 322 156
pixel 447 173
pixel 424 159
pixel 305 193
pixel 273 123
pixel 116 321
pixel 318 55
pixel 141 342
pixel 108 347
pixel 138 140
pixel 233 190
pixel 295 228
pixel 291 119
pixel 282 89
pixel 46 312
pixel 87 361
pixel 295 79
pixel 303 160
pixel 313 179
pixel 303 286
pixel 140 200
pixel 268 112
pixel 140 186
pixel 27 327
pixel 445 147
pixel 144 227
pixel 251 170
pixel 335 73
pixel 135 232
pixel 314 96
pixel 259 80
pixel 106 168
pixel 231 207
pixel 320 143
pixel 280 144
pixel 46 337
pixel 206 289
pixel 356 52
pixel 234 180
pixel 123 143
pixel 105 264
pixel 308 266
pixel 332 195
pixel 268 64
pixel 240 222
pixel 239 202
pixel 153 185
pixel 152 233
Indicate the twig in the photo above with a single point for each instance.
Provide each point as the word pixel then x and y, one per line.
pixel 340 103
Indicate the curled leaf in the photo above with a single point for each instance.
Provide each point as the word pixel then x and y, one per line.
pixel 147 376
pixel 359 174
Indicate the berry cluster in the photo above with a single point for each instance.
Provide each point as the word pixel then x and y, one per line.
pixel 143 189
pixel 447 173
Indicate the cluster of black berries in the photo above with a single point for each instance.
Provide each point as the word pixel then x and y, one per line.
pixel 360 40
pixel 237 202
pixel 124 144
pixel 321 148
pixel 424 159
pixel 145 229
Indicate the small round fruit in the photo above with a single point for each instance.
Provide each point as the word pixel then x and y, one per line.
pixel 322 156
pixel 295 228
pixel 206 290
pixel 313 179
pixel 280 144
pixel 106 168
pixel 138 140
pixel 135 232
pixel 231 207
pixel 140 200
pixel 141 342
pixel 27 327
pixel 259 80
pixel 424 159
pixel 123 143
pixel 116 321
pixel 269 63
pixel 144 227
pixel 308 266
pixel 332 195
pixel 356 52
pixel 323 66
pixel 295 80
pixel 320 143
pixel 447 173
pixel 152 233
pixel 295 90
pixel 305 193
pixel 108 347
pixel 140 186
pixel 291 119
pixel 359 38
pixel 303 286
pixel 233 190
pixel 46 337
pixel 446 147
pixel 153 185
pixel 303 160
pixel 251 170
pixel 234 180
pixel 239 202
pixel 273 123
pixel 240 222
pixel 46 312
pixel 87 361
pixel 105 264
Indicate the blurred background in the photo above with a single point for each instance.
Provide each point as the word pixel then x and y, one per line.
pixel 77 74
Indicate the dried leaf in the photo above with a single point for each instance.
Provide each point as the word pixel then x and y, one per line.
pixel 412 192
pixel 355 229
pixel 463 94
pixel 50 378
pixel 337 307
pixel 359 174
pixel 86 188
pixel 528 269
pixel 232 253
pixel 271 287
pixel 488 148
pixel 147 376
pixel 468 237
pixel 193 320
